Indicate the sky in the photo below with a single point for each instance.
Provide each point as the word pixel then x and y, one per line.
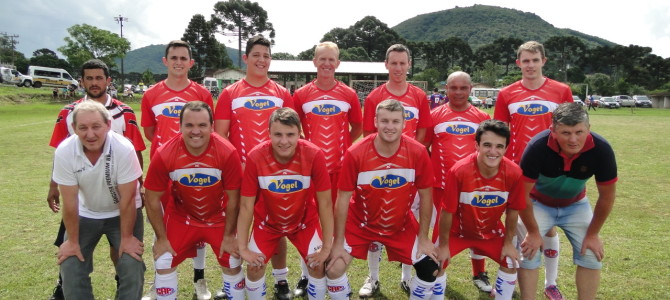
pixel 300 24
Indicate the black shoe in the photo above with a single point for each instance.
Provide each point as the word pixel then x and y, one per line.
pixel 220 295
pixel 282 291
pixel 301 287
pixel 58 293
pixel 481 281
pixel 404 285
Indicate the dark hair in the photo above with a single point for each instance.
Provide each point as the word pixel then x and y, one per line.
pixel 258 40
pixel 196 106
pixel 177 44
pixel 499 128
pixel 569 114
pixel 398 48
pixel 286 116
pixel 95 64
pixel 435 90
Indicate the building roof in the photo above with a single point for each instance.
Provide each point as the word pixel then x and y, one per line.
pixel 346 67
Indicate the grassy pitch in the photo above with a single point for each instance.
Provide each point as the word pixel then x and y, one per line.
pixel 635 234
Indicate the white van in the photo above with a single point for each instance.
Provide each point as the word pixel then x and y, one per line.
pixel 43 76
pixel 211 84
pixel 11 76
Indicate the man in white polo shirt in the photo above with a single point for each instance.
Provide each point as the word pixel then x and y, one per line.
pixel 97 171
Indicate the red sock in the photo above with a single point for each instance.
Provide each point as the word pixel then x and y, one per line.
pixel 478 266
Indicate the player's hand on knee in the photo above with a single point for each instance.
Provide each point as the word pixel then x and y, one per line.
pixel 254 260
pixel 595 244
pixel 317 260
pixel 133 247
pixel 162 246
pixel 337 254
pixel 443 255
pixel 229 245
pixel 530 245
pixel 68 249
pixel 426 247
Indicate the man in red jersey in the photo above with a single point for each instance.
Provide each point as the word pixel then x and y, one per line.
pixel 380 176
pixel 241 116
pixel 202 172
pixel 417 120
pixel 95 80
pixel 286 173
pixel 453 138
pixel 527 106
pixel 331 118
pixel 479 189
pixel 161 105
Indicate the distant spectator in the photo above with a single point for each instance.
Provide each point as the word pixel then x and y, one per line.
pixel 55 93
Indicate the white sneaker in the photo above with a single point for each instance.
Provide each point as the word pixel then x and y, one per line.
pixel 369 288
pixel 201 290
pixel 151 293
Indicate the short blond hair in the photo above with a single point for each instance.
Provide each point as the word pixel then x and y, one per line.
pixel 530 46
pixel 327 45
pixel 90 106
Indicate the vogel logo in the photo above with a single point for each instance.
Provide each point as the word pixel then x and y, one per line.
pixel 532 109
pixel 408 115
pixel 172 111
pixel 285 186
pixel 487 200
pixel 460 129
pixel 326 110
pixel 388 182
pixel 259 104
pixel 198 180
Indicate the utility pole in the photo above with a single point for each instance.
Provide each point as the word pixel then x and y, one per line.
pixel 120 19
pixel 12 44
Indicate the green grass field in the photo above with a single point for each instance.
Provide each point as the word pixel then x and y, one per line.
pixel 635 235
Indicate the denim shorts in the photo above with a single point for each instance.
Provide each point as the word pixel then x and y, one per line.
pixel 574 219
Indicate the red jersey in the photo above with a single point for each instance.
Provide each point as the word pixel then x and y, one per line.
pixel 325 117
pixel 384 187
pixel 477 203
pixel 198 183
pixel 123 122
pixel 161 107
pixel 287 190
pixel 528 112
pixel 248 108
pixel 417 111
pixel 453 137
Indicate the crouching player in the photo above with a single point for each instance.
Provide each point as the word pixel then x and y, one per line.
pixel 479 189
pixel 204 172
pixel 281 177
pixel 383 172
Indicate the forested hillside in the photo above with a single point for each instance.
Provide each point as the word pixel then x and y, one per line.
pixel 149 57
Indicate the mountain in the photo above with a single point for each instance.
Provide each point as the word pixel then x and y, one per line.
pixel 150 57
pixel 479 25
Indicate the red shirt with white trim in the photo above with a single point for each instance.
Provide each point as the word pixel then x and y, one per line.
pixel 325 117
pixel 528 112
pixel 384 187
pixel 198 183
pixel 286 191
pixel 478 203
pixel 248 108
pixel 417 110
pixel 161 107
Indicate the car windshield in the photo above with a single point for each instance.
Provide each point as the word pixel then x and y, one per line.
pixel 607 99
pixel 642 98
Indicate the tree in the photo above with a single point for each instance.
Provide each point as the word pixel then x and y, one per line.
pixel 148 77
pixel 207 52
pixel 283 56
pixel 48 58
pixel 86 42
pixel 502 51
pixel 563 52
pixel 243 19
pixel 354 54
pixel 375 37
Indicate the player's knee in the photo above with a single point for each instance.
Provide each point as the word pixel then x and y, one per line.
pixel 426 269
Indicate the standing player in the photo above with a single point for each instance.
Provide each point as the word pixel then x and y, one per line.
pixel 331 117
pixel 556 165
pixel 286 172
pixel 527 107
pixel 95 80
pixel 479 189
pixel 380 176
pixel 453 138
pixel 96 171
pixel 202 172
pixel 242 115
pixel 417 120
pixel 436 99
pixel 161 106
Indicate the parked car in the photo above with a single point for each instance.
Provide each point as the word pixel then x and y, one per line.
pixel 11 76
pixel 642 101
pixel 475 101
pixel 624 100
pixel 576 99
pixel 609 102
